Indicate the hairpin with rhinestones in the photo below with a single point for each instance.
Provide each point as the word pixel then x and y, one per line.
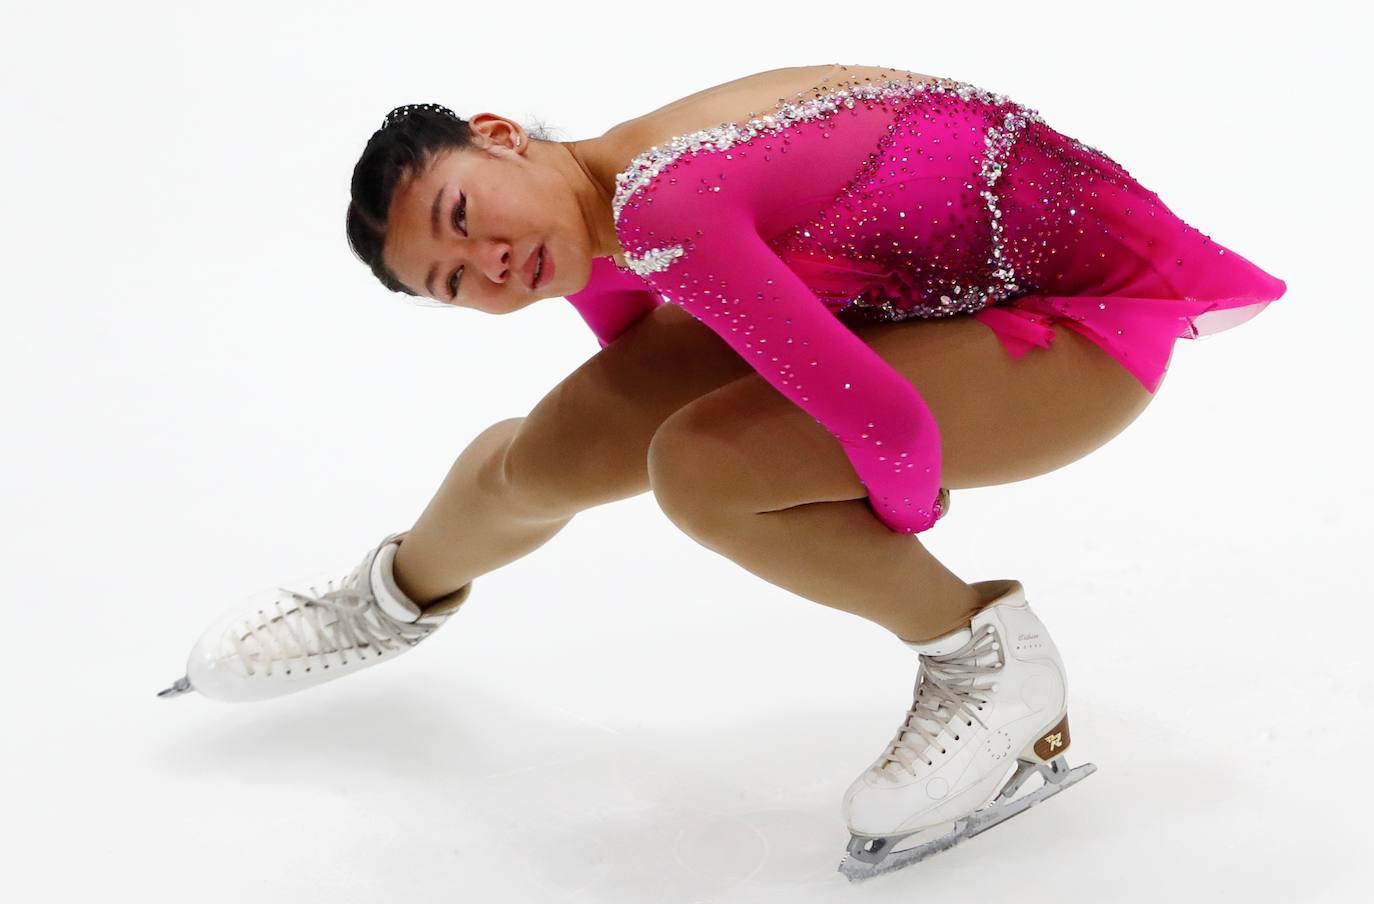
pixel 402 112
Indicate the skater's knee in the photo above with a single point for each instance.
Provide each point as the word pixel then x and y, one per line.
pixel 703 485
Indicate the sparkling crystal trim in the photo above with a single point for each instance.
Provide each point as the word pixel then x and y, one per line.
pixel 653 260
pixel 999 140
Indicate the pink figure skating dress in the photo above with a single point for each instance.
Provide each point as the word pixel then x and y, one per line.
pixel 907 198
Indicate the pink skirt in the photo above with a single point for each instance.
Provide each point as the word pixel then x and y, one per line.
pixel 1135 279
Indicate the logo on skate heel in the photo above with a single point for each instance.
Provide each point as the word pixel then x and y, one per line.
pixel 1055 740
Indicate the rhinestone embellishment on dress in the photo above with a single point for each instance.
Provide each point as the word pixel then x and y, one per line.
pixel 654 260
pixel 999 139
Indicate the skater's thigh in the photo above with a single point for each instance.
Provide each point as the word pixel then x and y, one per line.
pixel 1005 419
pixel 586 442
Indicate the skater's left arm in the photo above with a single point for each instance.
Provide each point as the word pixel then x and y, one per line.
pixel 730 279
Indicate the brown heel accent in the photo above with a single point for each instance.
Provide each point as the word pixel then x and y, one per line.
pixel 1053 742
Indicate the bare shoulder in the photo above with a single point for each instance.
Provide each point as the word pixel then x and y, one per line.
pixel 755 94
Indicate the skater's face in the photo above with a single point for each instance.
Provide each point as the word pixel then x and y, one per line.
pixel 463 230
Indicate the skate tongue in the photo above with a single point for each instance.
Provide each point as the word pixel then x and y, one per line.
pixel 942 645
pixel 389 597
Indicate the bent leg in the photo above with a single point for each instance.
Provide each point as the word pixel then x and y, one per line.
pixel 749 475
pixel 584 444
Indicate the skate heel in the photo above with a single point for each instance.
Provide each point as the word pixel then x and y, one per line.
pixel 1049 745
pixel 1045 755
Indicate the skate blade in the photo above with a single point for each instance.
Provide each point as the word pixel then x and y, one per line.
pixel 1057 777
pixel 180 686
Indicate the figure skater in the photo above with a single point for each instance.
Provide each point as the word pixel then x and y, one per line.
pixel 825 296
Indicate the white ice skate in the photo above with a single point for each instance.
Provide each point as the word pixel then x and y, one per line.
pixel 988 696
pixel 292 638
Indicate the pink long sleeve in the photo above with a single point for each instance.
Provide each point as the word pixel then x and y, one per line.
pixel 698 233
pixel 736 284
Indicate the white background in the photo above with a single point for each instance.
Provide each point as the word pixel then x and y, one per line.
pixel 205 394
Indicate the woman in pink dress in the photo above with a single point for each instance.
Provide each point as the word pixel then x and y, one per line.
pixel 824 296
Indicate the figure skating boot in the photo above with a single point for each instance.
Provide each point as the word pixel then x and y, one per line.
pixel 988 696
pixel 292 638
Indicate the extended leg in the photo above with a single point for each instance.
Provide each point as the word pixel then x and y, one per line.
pixel 512 489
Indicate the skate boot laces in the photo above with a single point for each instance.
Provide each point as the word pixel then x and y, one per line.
pixel 948 688
pixel 311 627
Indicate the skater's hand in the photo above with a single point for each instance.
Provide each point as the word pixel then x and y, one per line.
pixel 942 504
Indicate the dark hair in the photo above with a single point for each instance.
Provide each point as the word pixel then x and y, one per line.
pixel 408 140
pixel 410 137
